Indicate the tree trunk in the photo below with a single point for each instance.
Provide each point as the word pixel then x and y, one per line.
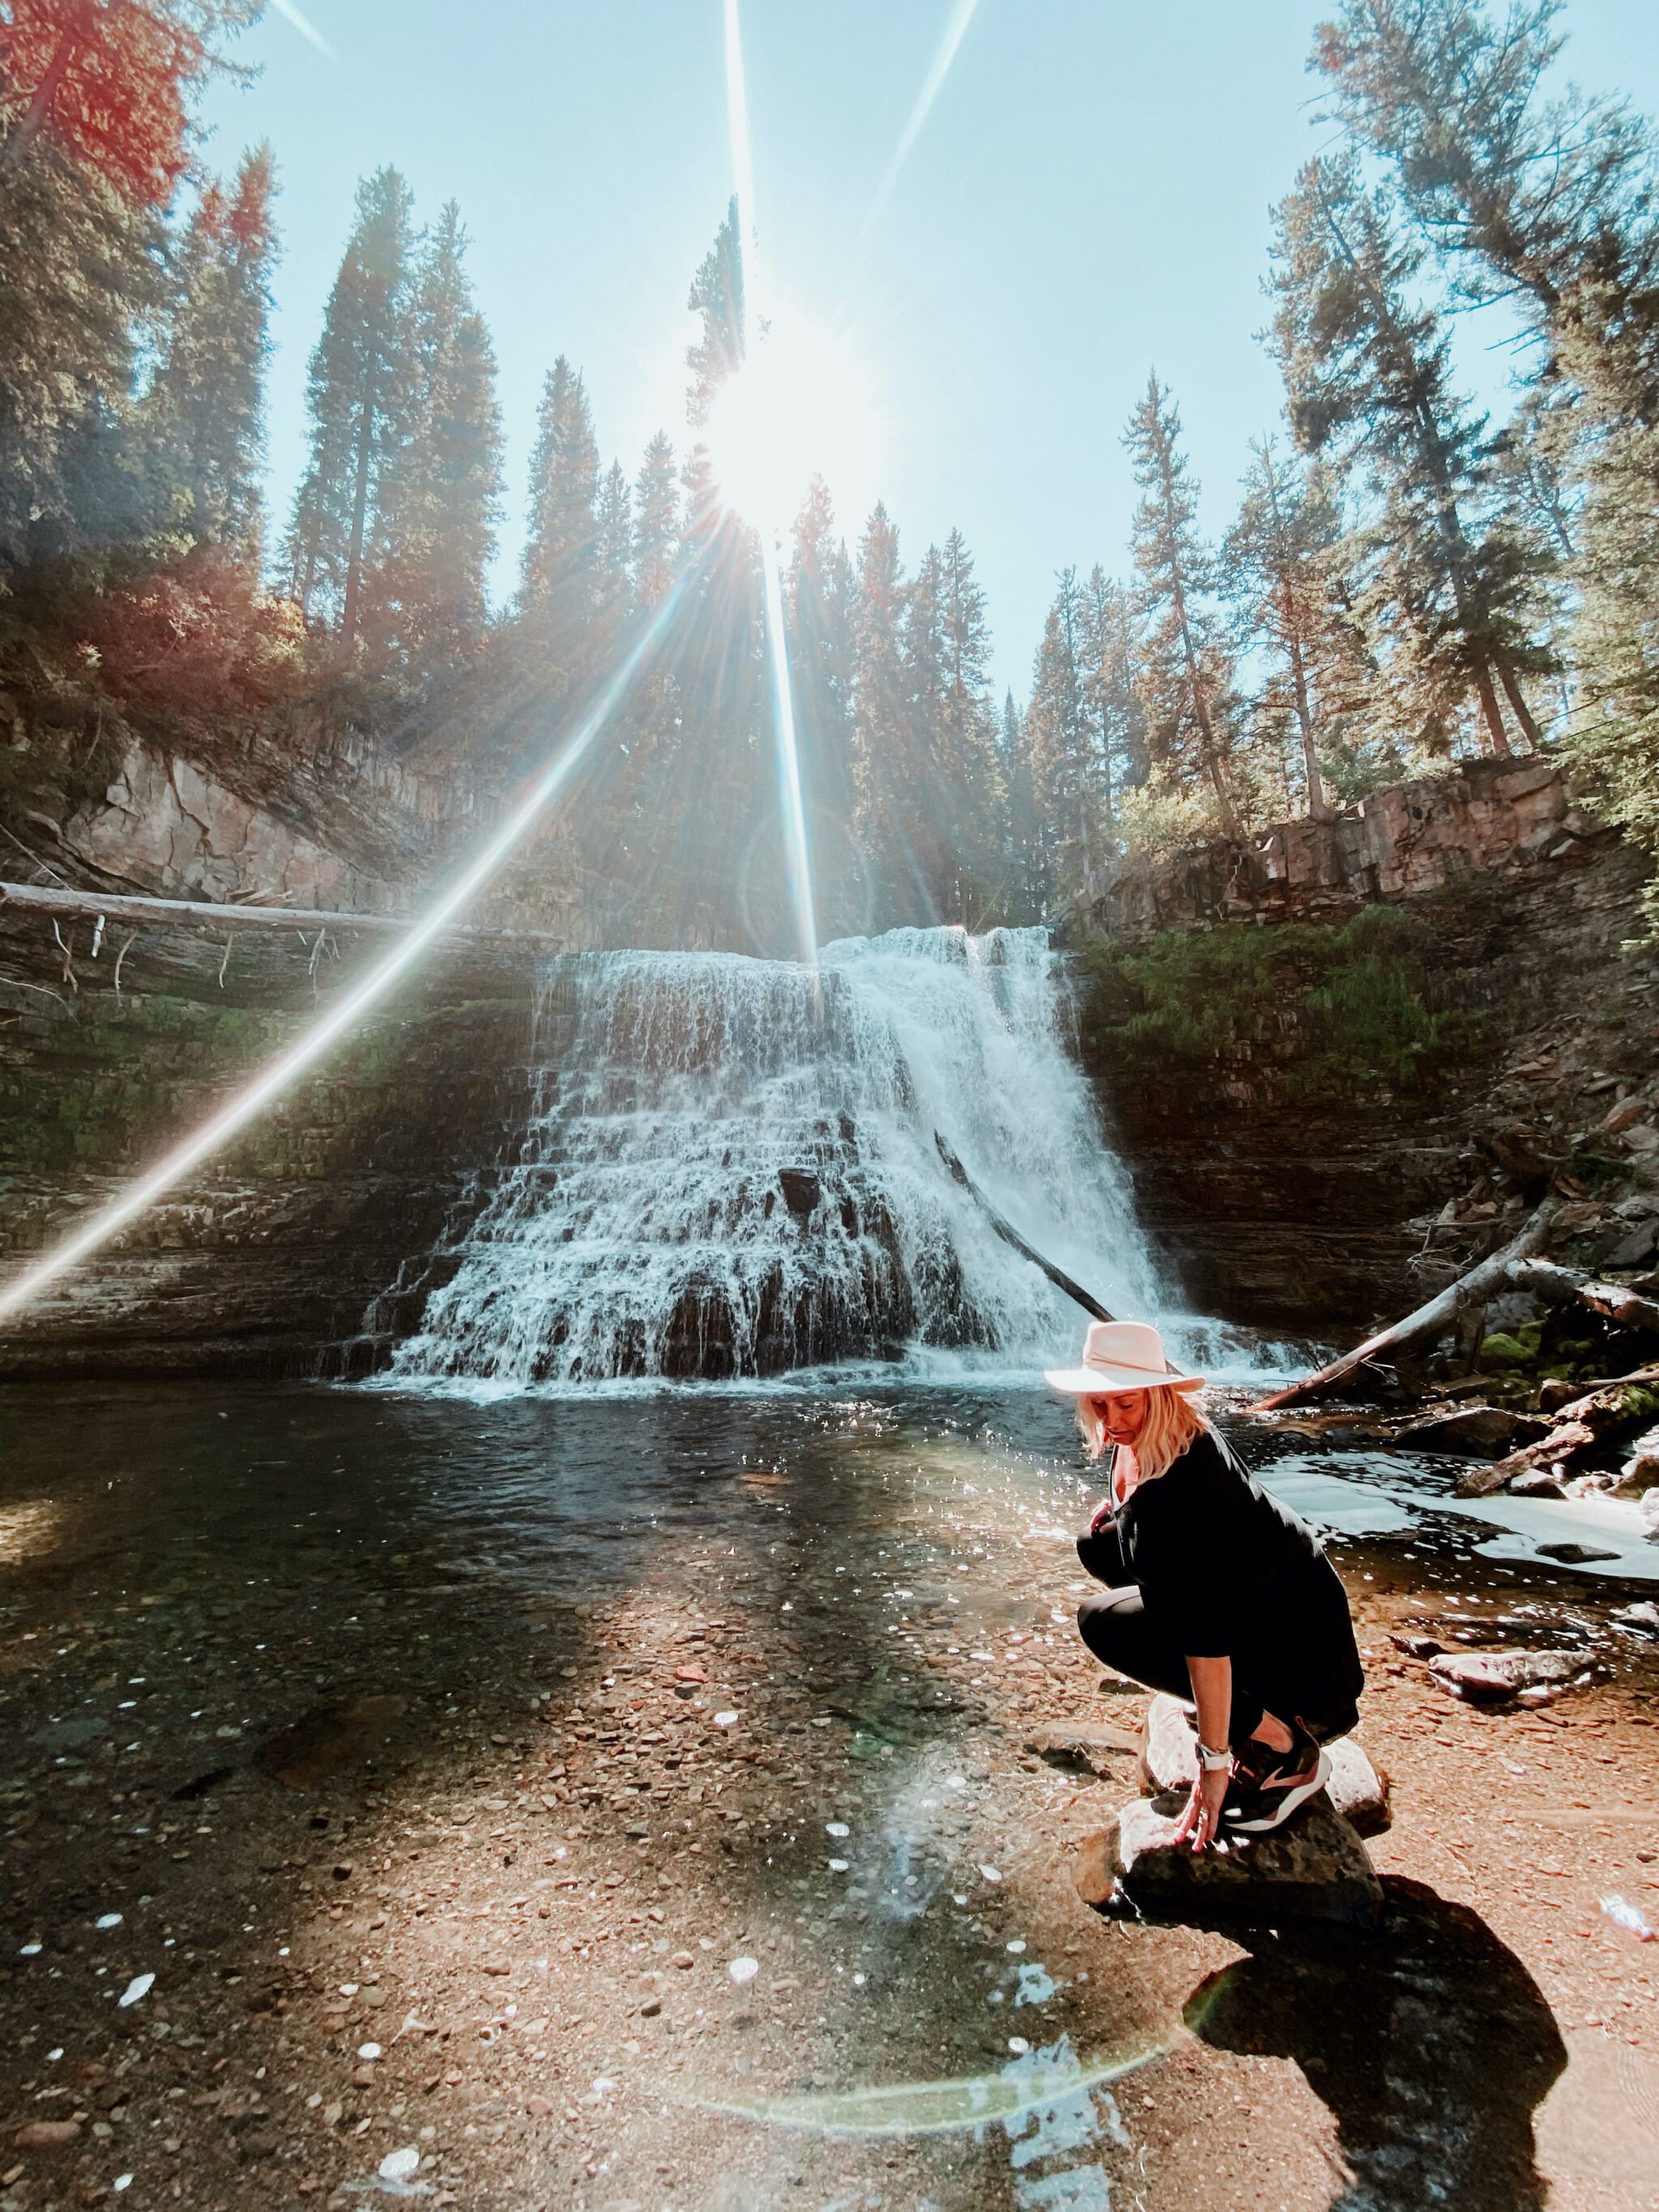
pixel 46 92
pixel 1319 807
pixel 1489 708
pixel 1517 698
pixel 1230 822
pixel 359 516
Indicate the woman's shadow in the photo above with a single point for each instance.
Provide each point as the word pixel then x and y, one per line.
pixel 1429 2040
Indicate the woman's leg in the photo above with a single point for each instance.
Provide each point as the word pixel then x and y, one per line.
pixel 1302 1664
pixel 1115 1627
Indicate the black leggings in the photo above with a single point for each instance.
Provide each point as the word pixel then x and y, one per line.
pixel 1299 1662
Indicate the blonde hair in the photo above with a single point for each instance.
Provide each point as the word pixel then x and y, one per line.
pixel 1173 1420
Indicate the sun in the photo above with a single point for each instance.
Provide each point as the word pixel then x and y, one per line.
pixel 798 407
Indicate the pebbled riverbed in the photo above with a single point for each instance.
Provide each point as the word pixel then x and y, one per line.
pixel 645 1800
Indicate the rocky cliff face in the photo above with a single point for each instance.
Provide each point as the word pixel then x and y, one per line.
pixel 266 1261
pixel 1328 1120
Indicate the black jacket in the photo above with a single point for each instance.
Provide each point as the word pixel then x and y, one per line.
pixel 1209 1548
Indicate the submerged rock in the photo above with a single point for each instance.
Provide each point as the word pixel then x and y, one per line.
pixel 327 1739
pixel 1358 1791
pixel 1315 1867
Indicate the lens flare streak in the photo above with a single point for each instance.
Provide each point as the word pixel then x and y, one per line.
pixel 282 1072
pixel 955 31
pixel 791 804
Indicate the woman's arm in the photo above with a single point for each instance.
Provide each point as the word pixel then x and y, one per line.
pixel 1212 1693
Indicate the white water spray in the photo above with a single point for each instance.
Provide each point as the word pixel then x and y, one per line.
pixel 729 1169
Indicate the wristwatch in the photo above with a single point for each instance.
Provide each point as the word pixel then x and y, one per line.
pixel 1212 1761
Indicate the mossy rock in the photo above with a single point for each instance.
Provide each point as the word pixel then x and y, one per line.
pixel 1502 1350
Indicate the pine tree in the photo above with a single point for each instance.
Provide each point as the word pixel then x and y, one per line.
pixel 656 549
pixel 81 273
pixel 204 409
pixel 1065 767
pixel 1111 690
pixel 1027 898
pixel 1368 377
pixel 439 497
pixel 1277 558
pixel 1186 675
pixel 614 513
pixel 359 395
pixel 1547 201
pixel 1544 200
pixel 964 743
pixel 886 793
pixel 559 572
pixel 94 141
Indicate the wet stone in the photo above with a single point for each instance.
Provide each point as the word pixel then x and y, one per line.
pixel 1474 1433
pixel 1315 1867
pixel 1490 1678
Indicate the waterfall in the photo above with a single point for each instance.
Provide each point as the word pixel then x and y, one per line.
pixel 728 1169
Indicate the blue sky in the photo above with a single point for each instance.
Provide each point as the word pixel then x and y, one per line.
pixel 1089 198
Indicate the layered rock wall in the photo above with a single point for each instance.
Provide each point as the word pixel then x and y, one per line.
pixel 1404 844
pixel 266 1260
pixel 1285 1192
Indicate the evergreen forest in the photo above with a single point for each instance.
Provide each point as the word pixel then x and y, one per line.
pixel 1409 580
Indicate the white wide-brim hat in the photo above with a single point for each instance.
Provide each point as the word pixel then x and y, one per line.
pixel 1121 1355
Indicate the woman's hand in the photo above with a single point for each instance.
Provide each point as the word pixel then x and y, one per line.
pixel 1202 1815
pixel 1103 1513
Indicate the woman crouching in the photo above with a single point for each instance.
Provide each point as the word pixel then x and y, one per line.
pixel 1216 1591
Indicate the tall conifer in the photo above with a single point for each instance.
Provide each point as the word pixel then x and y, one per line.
pixel 885 784
pixel 439 495
pixel 359 395
pixel 1186 672
pixel 1368 370
pixel 204 409
pixel 1066 771
pixel 560 576
pixel 1276 557
pixel 656 523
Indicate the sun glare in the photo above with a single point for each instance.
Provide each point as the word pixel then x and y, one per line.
pixel 796 409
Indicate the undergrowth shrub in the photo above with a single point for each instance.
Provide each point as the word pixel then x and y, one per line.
pixel 1330 1009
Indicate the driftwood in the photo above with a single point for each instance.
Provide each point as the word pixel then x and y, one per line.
pixel 1010 1235
pixel 1430 1320
pixel 67 905
pixel 1564 1286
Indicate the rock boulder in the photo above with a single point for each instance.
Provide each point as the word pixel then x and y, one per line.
pixel 1474 1433
pixel 1491 1678
pixel 1315 1867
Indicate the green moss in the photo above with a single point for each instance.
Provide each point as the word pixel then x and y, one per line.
pixel 1501 1349
pixel 1329 1009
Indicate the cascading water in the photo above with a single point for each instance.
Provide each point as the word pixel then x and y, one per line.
pixel 729 1169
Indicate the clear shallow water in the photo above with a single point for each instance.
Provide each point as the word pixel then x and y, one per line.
pixel 554 1488
pixel 185 1572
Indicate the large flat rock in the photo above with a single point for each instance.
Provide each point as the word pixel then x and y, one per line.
pixel 1359 1792
pixel 1315 1867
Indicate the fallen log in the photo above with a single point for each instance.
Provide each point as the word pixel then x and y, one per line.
pixel 1429 1320
pixel 1010 1235
pixel 1564 1286
pixel 216 914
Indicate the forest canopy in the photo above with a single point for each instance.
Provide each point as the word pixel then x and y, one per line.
pixel 1407 580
